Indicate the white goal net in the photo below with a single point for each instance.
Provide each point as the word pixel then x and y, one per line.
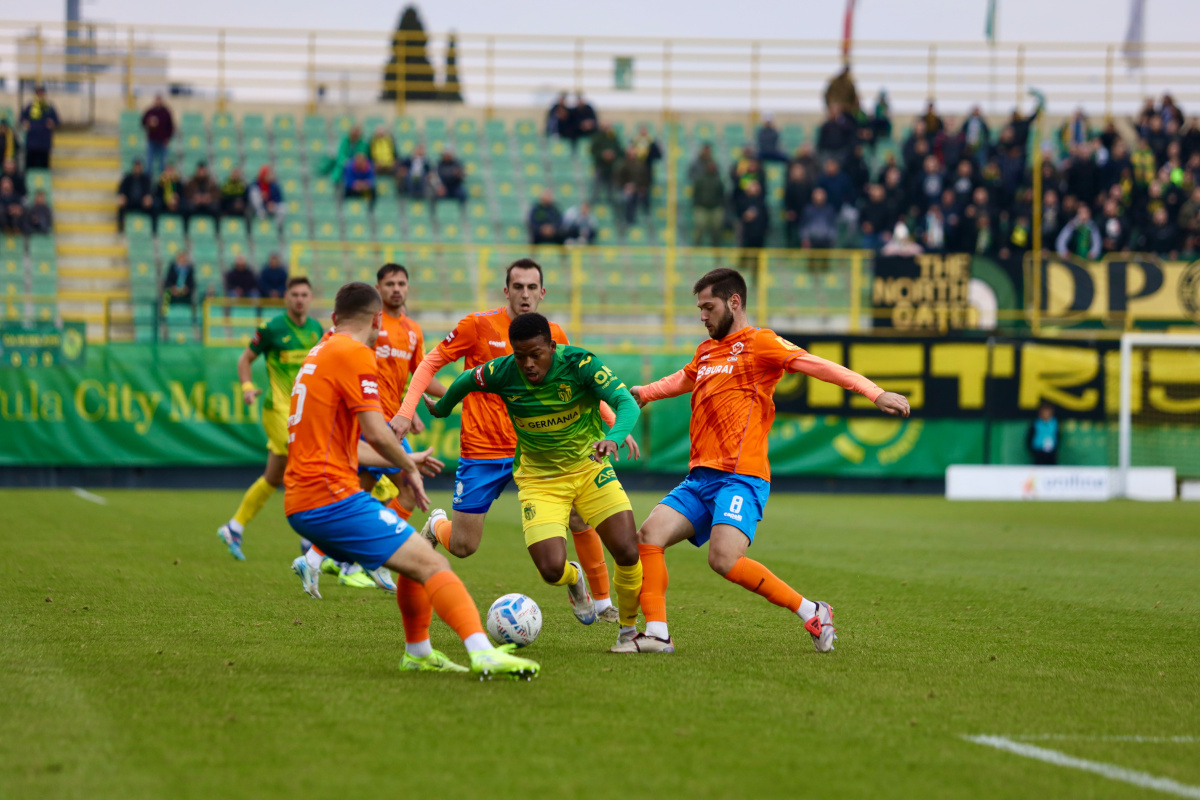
pixel 1159 416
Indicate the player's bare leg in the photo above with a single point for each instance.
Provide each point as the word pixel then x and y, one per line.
pixel 663 528
pixel 417 561
pixel 619 533
pixel 590 552
pixel 252 502
pixel 727 557
pixel 550 558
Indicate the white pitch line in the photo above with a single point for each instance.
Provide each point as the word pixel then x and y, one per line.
pixel 1070 737
pixel 1111 771
pixel 84 494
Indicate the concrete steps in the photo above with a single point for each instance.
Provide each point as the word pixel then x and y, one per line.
pixel 93 259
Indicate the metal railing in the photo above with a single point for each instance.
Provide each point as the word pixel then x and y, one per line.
pixel 627 299
pixel 341 68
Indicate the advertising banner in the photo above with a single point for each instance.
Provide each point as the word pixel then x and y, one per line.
pixel 1142 286
pixel 923 293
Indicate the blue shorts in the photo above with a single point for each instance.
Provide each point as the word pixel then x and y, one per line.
pixel 378 472
pixel 479 481
pixel 710 497
pixel 357 529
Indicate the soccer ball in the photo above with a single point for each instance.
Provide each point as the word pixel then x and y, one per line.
pixel 514 619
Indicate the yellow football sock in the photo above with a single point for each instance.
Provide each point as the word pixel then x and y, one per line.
pixel 569 576
pixel 252 502
pixel 384 490
pixel 628 582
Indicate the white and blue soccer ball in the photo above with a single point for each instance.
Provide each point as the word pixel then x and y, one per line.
pixel 514 619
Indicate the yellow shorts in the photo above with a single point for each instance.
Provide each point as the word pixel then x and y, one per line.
pixel 275 424
pixel 546 501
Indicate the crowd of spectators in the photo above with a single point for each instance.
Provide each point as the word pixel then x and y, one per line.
pixel 200 195
pixel 240 280
pixel 550 225
pixel 952 187
pixel 23 212
pixel 358 164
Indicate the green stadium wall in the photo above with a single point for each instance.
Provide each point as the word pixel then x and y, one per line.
pixel 147 406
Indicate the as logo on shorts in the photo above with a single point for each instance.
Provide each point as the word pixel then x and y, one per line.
pixel 530 511
pixel 607 475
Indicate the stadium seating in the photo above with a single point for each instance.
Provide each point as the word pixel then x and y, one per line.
pixel 507 166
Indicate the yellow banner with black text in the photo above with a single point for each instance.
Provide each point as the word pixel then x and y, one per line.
pixel 1000 378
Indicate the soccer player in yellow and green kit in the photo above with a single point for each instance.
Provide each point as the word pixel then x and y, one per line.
pixel 552 394
pixel 284 341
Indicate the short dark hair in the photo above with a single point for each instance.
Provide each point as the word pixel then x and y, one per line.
pixel 297 280
pixel 523 263
pixel 356 299
pixel 529 326
pixel 724 282
pixel 388 269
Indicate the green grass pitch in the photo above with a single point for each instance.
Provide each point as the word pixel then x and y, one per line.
pixel 140 661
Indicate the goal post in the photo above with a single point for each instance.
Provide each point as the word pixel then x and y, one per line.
pixel 1158 418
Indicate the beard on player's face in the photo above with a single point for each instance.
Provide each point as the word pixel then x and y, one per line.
pixel 720 321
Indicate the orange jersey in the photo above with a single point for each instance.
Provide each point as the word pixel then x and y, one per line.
pixel 733 402
pixel 399 350
pixel 487 431
pixel 337 380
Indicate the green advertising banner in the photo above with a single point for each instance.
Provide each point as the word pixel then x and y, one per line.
pixel 42 344
pixel 136 405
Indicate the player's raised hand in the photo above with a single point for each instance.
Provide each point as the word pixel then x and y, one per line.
pixel 427 463
pixel 892 403
pixel 631 446
pixel 605 448
pixel 636 391
pixel 250 395
pixel 418 486
pixel 401 426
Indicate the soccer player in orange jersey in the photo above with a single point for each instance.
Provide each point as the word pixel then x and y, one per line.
pixel 732 379
pixel 399 350
pixel 336 395
pixel 488 442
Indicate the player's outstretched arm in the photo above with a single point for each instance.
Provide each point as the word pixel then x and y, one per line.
pixel 826 370
pixel 377 433
pixel 245 372
pixel 661 389
pixel 421 380
pixel 463 385
pixel 606 386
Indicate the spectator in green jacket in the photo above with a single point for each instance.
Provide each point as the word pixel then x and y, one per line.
pixel 606 152
pixel 708 205
pixel 632 178
pixel 351 145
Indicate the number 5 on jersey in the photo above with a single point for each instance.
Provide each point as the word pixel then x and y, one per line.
pixel 299 391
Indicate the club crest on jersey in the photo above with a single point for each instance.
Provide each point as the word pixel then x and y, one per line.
pixel 564 392
pixel 529 511
pixel 370 385
pixel 737 347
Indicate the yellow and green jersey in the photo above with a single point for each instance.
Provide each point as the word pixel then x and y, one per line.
pixel 284 344
pixel 558 420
